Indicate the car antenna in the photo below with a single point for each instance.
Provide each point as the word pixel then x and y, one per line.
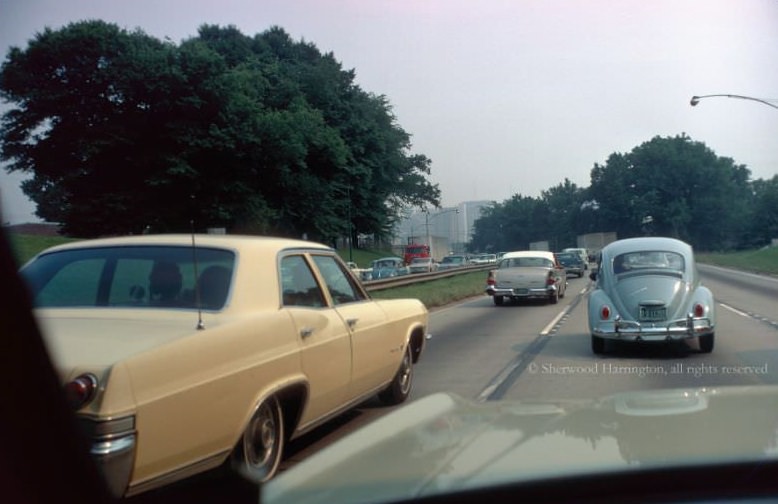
pixel 200 324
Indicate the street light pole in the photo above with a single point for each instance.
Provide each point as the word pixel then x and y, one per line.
pixel 696 99
pixel 427 223
pixel 350 227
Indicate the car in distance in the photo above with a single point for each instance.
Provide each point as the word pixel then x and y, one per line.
pixel 181 353
pixel 387 267
pixel 452 261
pixel 361 273
pixel 572 263
pixel 527 274
pixel 423 265
pixel 648 290
pixel 484 259
pixel 582 253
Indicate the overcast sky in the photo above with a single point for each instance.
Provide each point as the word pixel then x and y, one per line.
pixel 505 96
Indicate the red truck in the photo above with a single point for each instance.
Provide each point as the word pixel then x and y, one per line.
pixel 415 250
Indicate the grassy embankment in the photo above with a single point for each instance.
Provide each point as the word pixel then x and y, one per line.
pixel 441 292
pixel 763 260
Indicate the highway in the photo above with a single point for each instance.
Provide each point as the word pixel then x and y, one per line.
pixel 542 351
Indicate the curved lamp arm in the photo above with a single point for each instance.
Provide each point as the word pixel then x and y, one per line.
pixel 696 99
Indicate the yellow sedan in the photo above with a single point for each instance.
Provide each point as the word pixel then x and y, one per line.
pixel 181 353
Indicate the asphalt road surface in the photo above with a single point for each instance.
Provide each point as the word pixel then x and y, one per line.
pixel 536 350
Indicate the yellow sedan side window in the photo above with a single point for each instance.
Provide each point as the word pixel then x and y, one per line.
pixel 298 283
pixel 339 282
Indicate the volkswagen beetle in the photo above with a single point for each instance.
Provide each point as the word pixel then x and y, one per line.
pixel 648 290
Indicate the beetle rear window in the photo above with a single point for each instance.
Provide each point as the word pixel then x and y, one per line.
pixel 648 260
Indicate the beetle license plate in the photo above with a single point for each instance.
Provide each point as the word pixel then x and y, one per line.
pixel 521 292
pixel 653 313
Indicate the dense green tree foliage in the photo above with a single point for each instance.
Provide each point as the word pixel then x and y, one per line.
pixel 764 217
pixel 669 186
pixel 122 133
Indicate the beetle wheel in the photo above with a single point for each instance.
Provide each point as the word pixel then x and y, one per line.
pixel 706 343
pixel 554 298
pixel 259 451
pixel 598 344
pixel 400 388
pixel 498 300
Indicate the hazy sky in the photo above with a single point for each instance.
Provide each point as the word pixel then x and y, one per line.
pixel 505 96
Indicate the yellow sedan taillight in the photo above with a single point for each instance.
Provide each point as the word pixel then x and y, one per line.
pixel 81 390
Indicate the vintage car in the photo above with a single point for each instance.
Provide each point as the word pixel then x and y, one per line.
pixel 572 263
pixel 388 267
pixel 361 273
pixel 452 261
pixel 582 253
pixel 527 274
pixel 648 290
pixel 484 259
pixel 423 265
pixel 182 353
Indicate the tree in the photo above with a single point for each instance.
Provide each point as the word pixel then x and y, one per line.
pixel 124 133
pixel 666 186
pixel 683 186
pixel 764 219
pixel 563 203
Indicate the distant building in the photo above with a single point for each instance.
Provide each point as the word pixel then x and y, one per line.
pixel 455 224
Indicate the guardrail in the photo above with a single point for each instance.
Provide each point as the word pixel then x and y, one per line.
pixel 413 278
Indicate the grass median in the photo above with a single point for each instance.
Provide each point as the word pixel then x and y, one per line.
pixel 439 292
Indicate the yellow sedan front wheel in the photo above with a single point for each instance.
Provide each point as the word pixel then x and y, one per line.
pixel 400 388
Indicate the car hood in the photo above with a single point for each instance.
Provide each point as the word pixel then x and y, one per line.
pixel 101 338
pixel 443 443
pixel 669 291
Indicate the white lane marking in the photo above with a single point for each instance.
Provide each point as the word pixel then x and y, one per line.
pixel 553 323
pixel 563 313
pixel 734 310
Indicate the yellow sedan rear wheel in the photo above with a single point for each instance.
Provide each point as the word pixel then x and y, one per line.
pixel 259 451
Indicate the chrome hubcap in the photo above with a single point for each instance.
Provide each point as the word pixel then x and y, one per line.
pixel 405 372
pixel 262 439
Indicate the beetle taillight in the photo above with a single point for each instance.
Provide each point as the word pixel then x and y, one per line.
pixel 699 310
pixel 81 390
pixel 550 280
pixel 490 278
pixel 605 312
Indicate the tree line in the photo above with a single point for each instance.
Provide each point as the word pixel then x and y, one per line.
pixel 123 133
pixel 667 186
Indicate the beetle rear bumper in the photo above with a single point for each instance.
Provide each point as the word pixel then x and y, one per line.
pixel 630 330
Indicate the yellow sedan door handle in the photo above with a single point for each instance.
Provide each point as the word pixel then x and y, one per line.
pixel 351 322
pixel 305 332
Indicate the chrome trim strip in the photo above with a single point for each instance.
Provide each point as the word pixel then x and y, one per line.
pixel 209 462
pixel 113 446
